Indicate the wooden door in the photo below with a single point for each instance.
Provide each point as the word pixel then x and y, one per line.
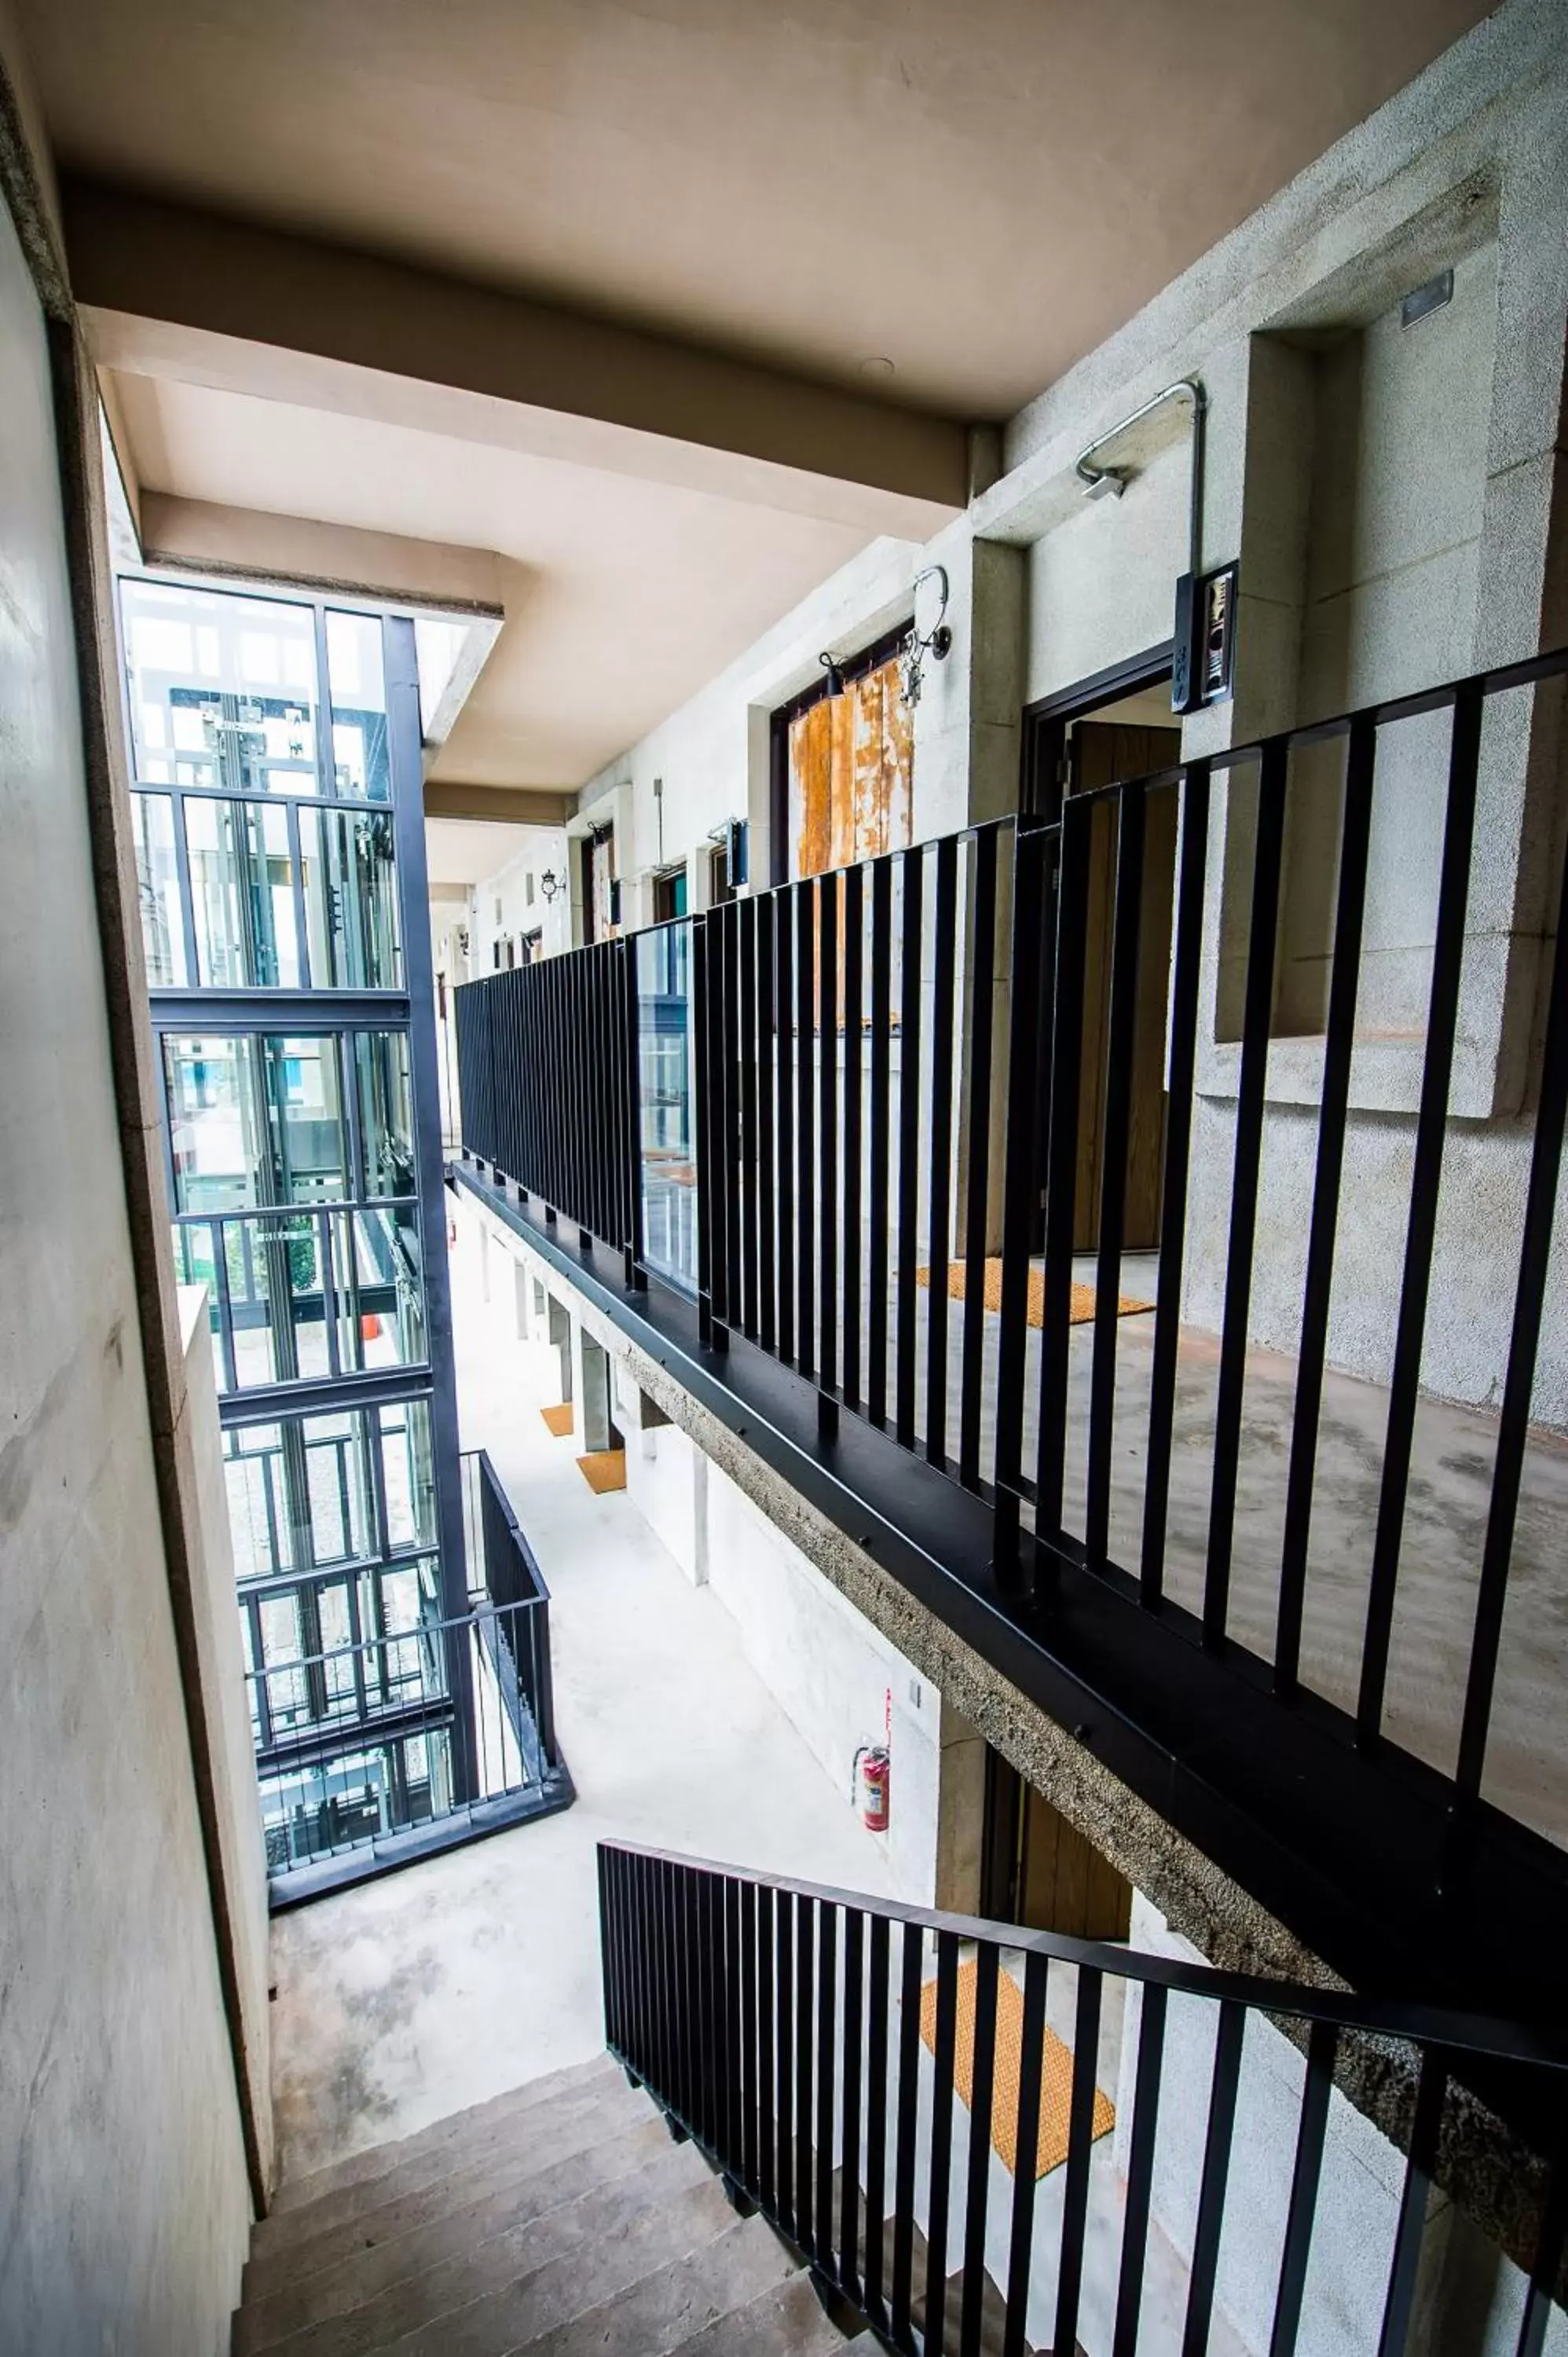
pixel 850 774
pixel 1040 1871
pixel 1100 753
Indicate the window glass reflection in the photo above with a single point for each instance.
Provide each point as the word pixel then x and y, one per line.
pixel 386 1112
pixel 223 690
pixel 357 674
pixel 157 890
pixel 349 863
pixel 310 1490
pixel 664 1080
pixel 255 1118
pixel 242 892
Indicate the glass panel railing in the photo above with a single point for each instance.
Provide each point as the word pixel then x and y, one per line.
pixel 664 1065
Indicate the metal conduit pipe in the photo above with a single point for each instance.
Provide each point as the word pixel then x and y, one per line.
pixel 1101 482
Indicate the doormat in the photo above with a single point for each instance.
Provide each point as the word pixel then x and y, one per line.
pixel 1056 2075
pixel 558 1420
pixel 604 1471
pixel 1081 1311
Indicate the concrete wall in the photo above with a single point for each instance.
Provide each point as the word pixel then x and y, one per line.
pixel 230 1744
pixel 123 2172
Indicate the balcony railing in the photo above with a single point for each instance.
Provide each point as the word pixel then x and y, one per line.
pixel 1163 1195
pixel 1147 2142
pixel 396 1742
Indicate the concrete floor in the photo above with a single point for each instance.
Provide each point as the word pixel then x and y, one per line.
pixel 414 1996
pixel 1444 1528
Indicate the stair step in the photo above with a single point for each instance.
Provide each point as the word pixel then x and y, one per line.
pixel 786 2321
pixel 425 2188
pixel 564 2235
pixel 619 2252
pixel 663 2310
pixel 538 2187
pixel 375 2159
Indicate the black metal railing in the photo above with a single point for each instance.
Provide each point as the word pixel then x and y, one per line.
pixel 503 1572
pixel 436 1722
pixel 822 2046
pixel 547 1080
pixel 1148 1053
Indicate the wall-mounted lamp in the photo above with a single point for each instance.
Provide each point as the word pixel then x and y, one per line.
pixel 549 884
pixel 934 640
pixel 835 676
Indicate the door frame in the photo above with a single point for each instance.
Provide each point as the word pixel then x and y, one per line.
pixel 1043 736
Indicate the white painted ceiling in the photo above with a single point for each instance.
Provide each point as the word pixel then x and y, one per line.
pixel 464 851
pixel 622 596
pixel 976 193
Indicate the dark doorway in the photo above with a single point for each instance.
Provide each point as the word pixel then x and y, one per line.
pixel 1116 725
pixel 599 885
pixel 721 886
pixel 669 895
pixel 1038 1870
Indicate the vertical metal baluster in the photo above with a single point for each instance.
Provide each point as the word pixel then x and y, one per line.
pixel 914 875
pixel 1215 2174
pixel 940 2194
pixel 1314 2122
pixel 1140 2171
pixel 1020 1192
pixel 609 1981
pixel 715 1190
pixel 751 2098
pixel 1421 1235
pixel 907 2123
pixel 1061 1159
pixel 1411 2231
pixel 1257 1023
pixel 1031 2074
pixel 1115 1133
pixel 878 1119
pixel 849 2185
pixel 767 2180
pixel 982 2084
pixel 767 1084
pixel 1079 2144
pixel 805 1127
pixel 735 1048
pixel 979 958
pixel 854 1020
pixel 703 1127
pixel 1513 1424
pixel 788 1050
pixel 805 1961
pixel 784 1991
pixel 751 1318
pixel 876 2121
pixel 1349 910
pixel 827 1132
pixel 827 2049
pixel 944 982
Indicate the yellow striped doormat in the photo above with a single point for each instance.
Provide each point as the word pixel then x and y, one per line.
pixel 1080 1312
pixel 1056 2076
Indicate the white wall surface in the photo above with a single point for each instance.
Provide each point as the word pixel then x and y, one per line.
pixel 122 2182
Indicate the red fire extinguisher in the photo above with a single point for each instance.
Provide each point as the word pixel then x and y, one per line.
pixel 871 1776
pixel 872 1770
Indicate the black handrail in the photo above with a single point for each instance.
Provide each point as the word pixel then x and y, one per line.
pixel 812 2041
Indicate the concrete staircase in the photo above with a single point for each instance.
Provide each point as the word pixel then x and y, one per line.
pixel 559 2218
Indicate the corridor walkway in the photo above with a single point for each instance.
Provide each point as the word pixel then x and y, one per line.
pixel 417 1995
